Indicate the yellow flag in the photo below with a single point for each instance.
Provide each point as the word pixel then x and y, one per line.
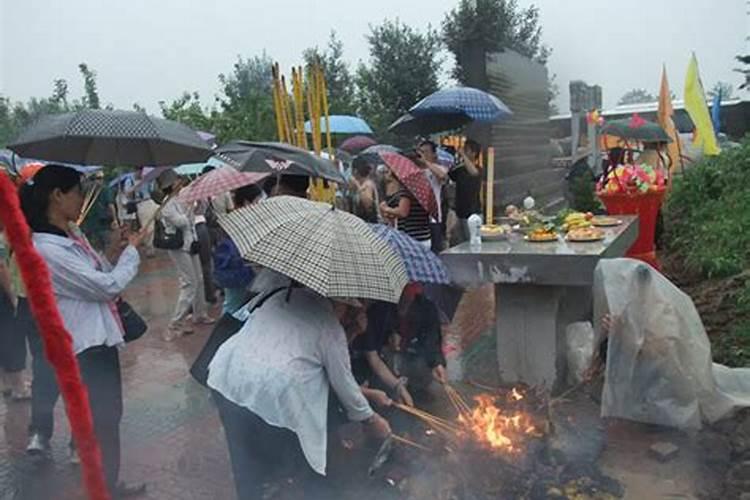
pixel 664 116
pixel 695 104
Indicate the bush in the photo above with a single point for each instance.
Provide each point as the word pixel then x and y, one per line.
pixel 707 218
pixel 707 215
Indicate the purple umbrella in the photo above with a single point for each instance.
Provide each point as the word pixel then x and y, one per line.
pixel 357 143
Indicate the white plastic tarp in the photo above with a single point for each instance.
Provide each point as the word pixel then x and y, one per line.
pixel 659 368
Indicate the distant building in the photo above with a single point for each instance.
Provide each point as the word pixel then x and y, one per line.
pixel 735 117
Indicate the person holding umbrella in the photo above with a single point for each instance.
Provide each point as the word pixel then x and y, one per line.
pixel 467 175
pixel 437 175
pixel 270 381
pixel 409 199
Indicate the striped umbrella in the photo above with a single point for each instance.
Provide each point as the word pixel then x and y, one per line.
pixel 218 181
pixel 414 180
pixel 325 249
pixel 421 264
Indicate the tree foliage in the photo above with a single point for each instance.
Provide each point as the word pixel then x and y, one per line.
pixel 402 69
pixel 246 101
pixel 745 70
pixel 498 25
pixel 15 116
pixel 188 109
pixel 91 95
pixel 339 79
pixel 636 96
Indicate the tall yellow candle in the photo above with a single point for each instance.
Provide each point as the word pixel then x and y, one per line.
pixel 489 200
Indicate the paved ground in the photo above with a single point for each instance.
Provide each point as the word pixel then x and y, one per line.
pixel 173 441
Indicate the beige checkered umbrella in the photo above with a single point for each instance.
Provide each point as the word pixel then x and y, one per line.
pixel 328 250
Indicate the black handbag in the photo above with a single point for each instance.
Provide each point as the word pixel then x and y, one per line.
pixel 167 241
pixel 133 324
pixel 225 329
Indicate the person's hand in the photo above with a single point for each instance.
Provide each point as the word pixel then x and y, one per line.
pixel 135 239
pixel 378 426
pixel 440 374
pixel 403 395
pixel 380 398
pixel 608 323
pixel 383 208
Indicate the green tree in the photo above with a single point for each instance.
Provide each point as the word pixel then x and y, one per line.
pixel 403 68
pixel 497 25
pixel 339 80
pixel 246 102
pixel 91 95
pixel 723 89
pixel 187 109
pixel 745 71
pixel 636 96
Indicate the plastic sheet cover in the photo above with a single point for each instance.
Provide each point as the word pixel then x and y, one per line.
pixel 659 368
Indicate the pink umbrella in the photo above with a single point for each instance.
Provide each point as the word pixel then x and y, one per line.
pixel 357 143
pixel 413 178
pixel 218 181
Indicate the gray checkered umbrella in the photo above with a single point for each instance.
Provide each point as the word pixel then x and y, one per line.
pixel 328 250
pixel 109 137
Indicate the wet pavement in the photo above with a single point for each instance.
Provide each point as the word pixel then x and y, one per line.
pixel 172 439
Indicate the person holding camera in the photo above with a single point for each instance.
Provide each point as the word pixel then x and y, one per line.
pixel 176 218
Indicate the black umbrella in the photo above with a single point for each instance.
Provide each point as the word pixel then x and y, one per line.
pixel 278 158
pixel 110 137
pixel 428 124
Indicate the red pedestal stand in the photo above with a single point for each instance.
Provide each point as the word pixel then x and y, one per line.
pixel 646 206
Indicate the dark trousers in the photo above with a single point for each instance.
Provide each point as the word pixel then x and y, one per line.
pixel 100 370
pixel 437 236
pixel 259 451
pixel 12 338
pixel 205 253
pixel 44 390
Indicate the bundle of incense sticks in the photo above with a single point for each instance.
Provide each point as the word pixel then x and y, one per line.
pixel 88 202
pixel 441 425
pixel 459 403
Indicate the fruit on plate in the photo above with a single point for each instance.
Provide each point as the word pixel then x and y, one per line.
pixel 576 220
pixel 541 234
pixel 605 221
pixel 492 230
pixel 586 234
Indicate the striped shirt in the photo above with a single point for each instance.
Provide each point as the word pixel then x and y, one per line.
pixel 417 223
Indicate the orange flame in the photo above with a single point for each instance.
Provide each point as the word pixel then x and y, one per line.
pixel 500 431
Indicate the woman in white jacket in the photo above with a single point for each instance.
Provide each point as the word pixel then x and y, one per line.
pixel 176 217
pixel 86 286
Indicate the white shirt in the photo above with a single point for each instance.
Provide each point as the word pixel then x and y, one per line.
pixel 279 366
pixel 222 204
pixel 437 189
pixel 175 216
pixel 86 289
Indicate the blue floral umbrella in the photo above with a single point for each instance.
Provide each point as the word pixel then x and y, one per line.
pixel 476 104
pixel 421 264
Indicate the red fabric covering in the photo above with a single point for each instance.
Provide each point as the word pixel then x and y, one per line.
pixel 58 344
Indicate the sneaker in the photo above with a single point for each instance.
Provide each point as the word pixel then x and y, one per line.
pixel 38 446
pixel 124 490
pixel 205 320
pixel 73 457
pixel 172 332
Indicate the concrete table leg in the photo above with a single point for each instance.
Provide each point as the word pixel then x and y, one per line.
pixel 530 328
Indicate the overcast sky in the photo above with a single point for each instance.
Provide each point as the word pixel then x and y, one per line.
pixel 147 51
